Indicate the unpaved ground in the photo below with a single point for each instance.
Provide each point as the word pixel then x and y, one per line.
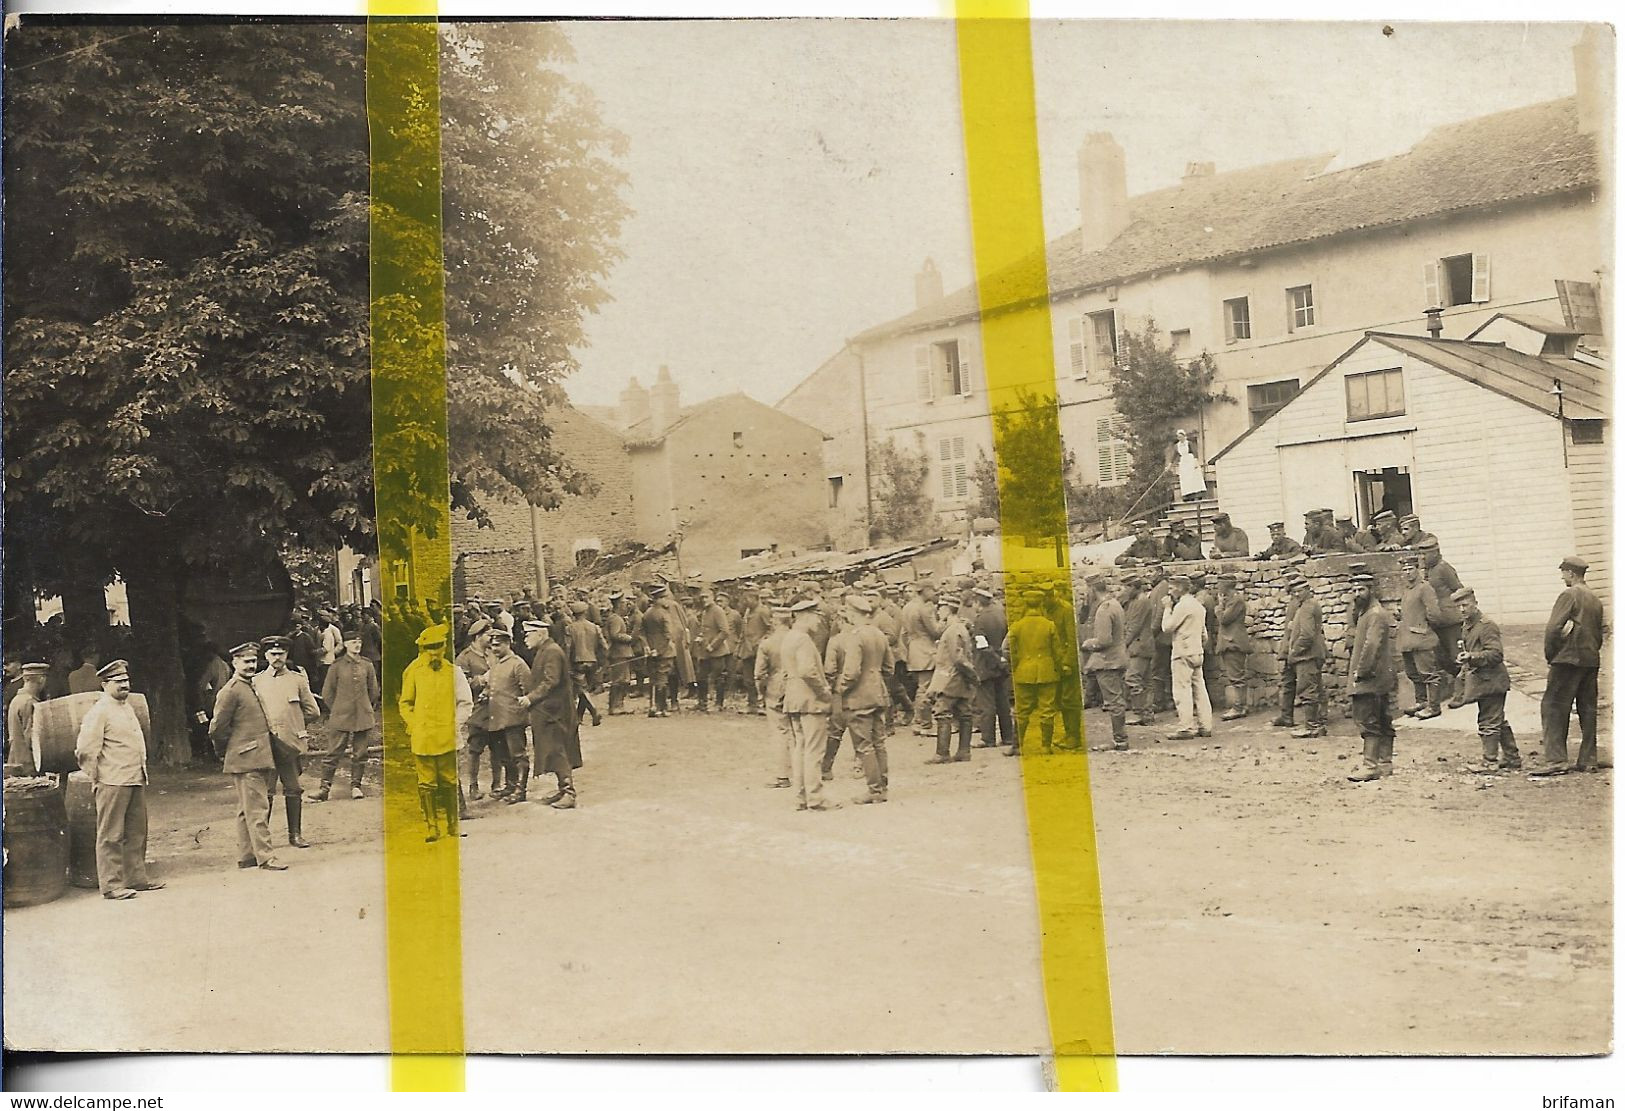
pixel 1256 903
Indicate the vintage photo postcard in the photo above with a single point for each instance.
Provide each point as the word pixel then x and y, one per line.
pixel 808 536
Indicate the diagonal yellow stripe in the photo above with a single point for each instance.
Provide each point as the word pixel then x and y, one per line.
pixel 413 503
pixel 1007 231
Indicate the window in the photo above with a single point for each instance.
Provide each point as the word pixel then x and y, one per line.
pixel 1180 340
pixel 1380 393
pixel 1111 446
pixel 1456 280
pixel 1266 397
pixel 739 439
pixel 1300 307
pixel 835 492
pixel 940 372
pixel 1092 343
pixel 1586 431
pixel 1238 320
pixel 952 467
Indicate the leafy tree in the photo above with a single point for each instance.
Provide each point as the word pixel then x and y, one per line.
pixel 1155 391
pixel 187 366
pixel 901 507
pixel 1026 490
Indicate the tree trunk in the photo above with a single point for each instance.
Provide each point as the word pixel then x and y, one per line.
pixel 84 614
pixel 155 601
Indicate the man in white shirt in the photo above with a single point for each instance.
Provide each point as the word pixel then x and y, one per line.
pixel 1184 616
pixel 112 752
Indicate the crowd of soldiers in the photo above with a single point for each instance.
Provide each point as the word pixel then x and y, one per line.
pixel 511 681
pixel 1186 643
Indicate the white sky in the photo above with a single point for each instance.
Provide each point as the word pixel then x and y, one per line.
pixel 789 177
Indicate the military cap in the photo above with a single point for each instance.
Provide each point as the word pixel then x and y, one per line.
pixel 246 648
pixel 1180 578
pixel 1326 511
pixel 1133 581
pixel 983 592
pixel 479 626
pixel 1143 521
pixel 1274 525
pixel 494 602
pixel 1198 577
pixel 1311 514
pixel 34 665
pixel 946 599
pixel 1095 578
pixel 114 669
pixel 1465 594
pixel 1428 544
pixel 1362 579
pixel 860 603
pixel 535 626
pixel 782 607
pixel 804 605
pixel 350 632
pixel 1345 520
pixel 1221 518
pixel 1382 515
pixel 578 607
pixel 457 607
pixel 270 644
pixel 499 633
pixel 434 634
pixel 1357 568
pixel 1574 563
pixel 1410 519
pixel 656 590
pixel 1032 595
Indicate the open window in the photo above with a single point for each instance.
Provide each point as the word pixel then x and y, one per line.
pixel 1388 488
pixel 941 370
pixel 1456 280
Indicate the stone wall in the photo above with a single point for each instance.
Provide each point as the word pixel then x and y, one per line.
pixel 506 573
pixel 1263 584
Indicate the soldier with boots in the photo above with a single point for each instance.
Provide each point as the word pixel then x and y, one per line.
pixel 290 706
pixel 660 646
pixel 1445 582
pixel 953 679
pixel 241 736
pixel 1486 682
pixel 1372 681
pixel 1033 648
pixel 769 676
pixel 988 630
pixel 435 702
pixel 505 722
pixel 1108 654
pixel 1306 655
pixel 864 660
pixel 1418 643
pixel 550 699
pixel 1139 631
pixel 806 707
pixel 352 695
pixel 622 647
pixel 474 661
pixel 1573 645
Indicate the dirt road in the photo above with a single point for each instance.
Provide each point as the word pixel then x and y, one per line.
pixel 1256 901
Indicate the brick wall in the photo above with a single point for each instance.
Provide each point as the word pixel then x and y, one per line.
pixel 502 555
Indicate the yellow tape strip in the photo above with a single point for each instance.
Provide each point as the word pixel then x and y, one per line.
pixel 1007 231
pixel 413 498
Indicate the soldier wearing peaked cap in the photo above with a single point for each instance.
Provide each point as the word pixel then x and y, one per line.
pixel 20 714
pixel 1445 582
pixel 1281 546
pixel 435 703
pixel 1485 681
pixel 865 656
pixel 352 694
pixel 1033 649
pixel 1417 640
pixel 1411 533
pixel 1145 546
pixel 807 704
pixel 1387 531
pixel 112 752
pixel 1574 635
pixel 550 700
pixel 768 673
pixel 1372 679
pixel 994 705
pixel 953 682
pixel 240 732
pixel 290 707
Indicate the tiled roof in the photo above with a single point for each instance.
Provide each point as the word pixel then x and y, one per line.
pixel 1526 379
pixel 1514 155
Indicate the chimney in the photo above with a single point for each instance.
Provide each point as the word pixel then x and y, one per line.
pixel 663 406
pixel 1102 190
pixel 1435 322
pixel 927 285
pixel 634 404
pixel 1594 78
pixel 1199 169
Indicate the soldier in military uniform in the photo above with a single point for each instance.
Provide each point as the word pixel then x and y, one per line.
pixel 1387 531
pixel 1445 582
pixel 1329 538
pixel 1288 687
pixel 1232 644
pixel 1033 647
pixel 20 714
pixel 1311 530
pixel 1485 681
pixel 1418 642
pixel 1107 646
pixel 435 702
pixel 1145 547
pixel 993 698
pixel 953 680
pixel 1573 646
pixel 241 736
pixel 769 676
pixel 550 699
pixel 919 636
pixel 1183 544
pixel 1371 681
pixel 1411 533
pixel 1139 634
pixel 1228 541
pixel 865 657
pixel 352 694
pixel 111 750
pixel 291 707
pixel 660 649
pixel 1306 652
pixel 1281 545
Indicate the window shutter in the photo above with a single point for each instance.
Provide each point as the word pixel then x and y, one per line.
pixel 968 377
pixel 1074 333
pixel 1481 279
pixel 922 372
pixel 945 454
pixel 1431 282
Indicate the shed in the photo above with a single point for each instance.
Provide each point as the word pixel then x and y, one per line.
pixel 1465 433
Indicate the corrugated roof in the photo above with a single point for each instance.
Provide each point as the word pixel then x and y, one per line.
pixel 1508 156
pixel 1494 366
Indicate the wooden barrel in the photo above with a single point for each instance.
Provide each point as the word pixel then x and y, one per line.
pixel 81 805
pixel 56 728
pixel 36 844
